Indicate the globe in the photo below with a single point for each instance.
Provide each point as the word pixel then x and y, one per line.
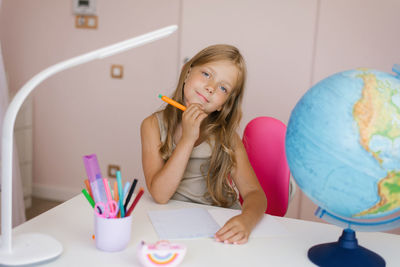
pixel 343 148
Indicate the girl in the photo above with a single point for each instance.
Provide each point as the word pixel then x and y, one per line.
pixel 196 155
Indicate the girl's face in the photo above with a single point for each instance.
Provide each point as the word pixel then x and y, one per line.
pixel 210 85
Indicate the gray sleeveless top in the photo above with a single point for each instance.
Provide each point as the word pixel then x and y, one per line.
pixel 193 184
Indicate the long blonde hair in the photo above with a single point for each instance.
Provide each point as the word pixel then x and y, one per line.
pixel 219 125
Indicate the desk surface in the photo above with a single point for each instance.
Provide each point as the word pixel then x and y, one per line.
pixel 72 222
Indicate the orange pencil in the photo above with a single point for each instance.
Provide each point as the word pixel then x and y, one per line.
pixel 89 189
pixel 116 196
pixel 172 102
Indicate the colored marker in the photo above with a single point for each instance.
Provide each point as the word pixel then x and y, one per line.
pixel 108 193
pixel 139 195
pixel 107 188
pixel 92 167
pixel 126 188
pixel 96 192
pixel 88 187
pixel 88 197
pixel 121 196
pixel 94 177
pixel 128 198
pixel 172 102
pixel 116 196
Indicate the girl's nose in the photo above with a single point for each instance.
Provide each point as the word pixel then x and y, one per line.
pixel 210 89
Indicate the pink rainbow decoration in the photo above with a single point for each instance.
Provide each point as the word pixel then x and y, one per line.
pixel 161 253
pixel 162 260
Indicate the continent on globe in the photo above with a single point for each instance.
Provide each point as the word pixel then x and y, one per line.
pixel 389 191
pixel 377 115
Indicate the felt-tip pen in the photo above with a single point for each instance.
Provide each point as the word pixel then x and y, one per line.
pixel 137 198
pixel 121 194
pixel 88 197
pixel 172 102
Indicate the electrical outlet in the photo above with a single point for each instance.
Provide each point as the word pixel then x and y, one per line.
pixel 86 21
pixel 112 170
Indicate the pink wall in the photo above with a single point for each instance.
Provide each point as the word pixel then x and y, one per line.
pixel 276 39
pixel 352 34
pixel 83 110
pixel 288 45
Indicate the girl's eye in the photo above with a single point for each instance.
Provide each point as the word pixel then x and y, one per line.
pixel 223 89
pixel 205 74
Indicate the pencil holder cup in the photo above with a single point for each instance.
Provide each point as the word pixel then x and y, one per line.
pixel 112 234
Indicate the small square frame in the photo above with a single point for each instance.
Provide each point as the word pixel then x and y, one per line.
pixel 117 71
pixel 112 170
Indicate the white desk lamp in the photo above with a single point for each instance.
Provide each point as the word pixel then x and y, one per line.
pixel 36 247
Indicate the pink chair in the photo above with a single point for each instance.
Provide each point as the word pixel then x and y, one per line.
pixel 264 140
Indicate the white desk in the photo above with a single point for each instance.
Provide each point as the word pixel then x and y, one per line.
pixel 71 223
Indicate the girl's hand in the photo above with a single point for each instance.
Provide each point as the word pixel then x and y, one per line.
pixel 191 120
pixel 235 231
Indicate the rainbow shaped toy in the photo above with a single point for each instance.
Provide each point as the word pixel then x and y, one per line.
pixel 162 253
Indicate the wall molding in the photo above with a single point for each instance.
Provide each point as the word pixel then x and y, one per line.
pixel 54 192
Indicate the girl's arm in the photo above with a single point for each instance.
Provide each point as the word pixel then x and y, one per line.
pixel 238 228
pixel 163 178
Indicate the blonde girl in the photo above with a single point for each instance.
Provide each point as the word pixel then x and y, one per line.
pixel 197 155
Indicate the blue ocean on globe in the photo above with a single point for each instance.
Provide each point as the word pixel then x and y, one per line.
pixel 343 144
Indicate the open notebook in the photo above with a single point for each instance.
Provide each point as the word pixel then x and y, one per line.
pixel 190 223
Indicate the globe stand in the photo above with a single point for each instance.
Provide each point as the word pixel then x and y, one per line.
pixel 344 252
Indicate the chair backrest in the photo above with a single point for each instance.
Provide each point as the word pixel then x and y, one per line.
pixel 264 140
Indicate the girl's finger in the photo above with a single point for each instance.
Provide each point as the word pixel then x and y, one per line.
pixel 238 237
pixel 191 111
pixel 201 116
pixel 195 113
pixel 242 241
pixel 228 236
pixel 225 235
pixel 223 230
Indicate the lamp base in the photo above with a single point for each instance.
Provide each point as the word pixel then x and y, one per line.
pixel 344 252
pixel 31 248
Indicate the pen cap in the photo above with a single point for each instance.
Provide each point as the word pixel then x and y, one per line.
pixel 92 167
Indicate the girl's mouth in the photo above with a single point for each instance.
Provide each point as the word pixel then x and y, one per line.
pixel 203 97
